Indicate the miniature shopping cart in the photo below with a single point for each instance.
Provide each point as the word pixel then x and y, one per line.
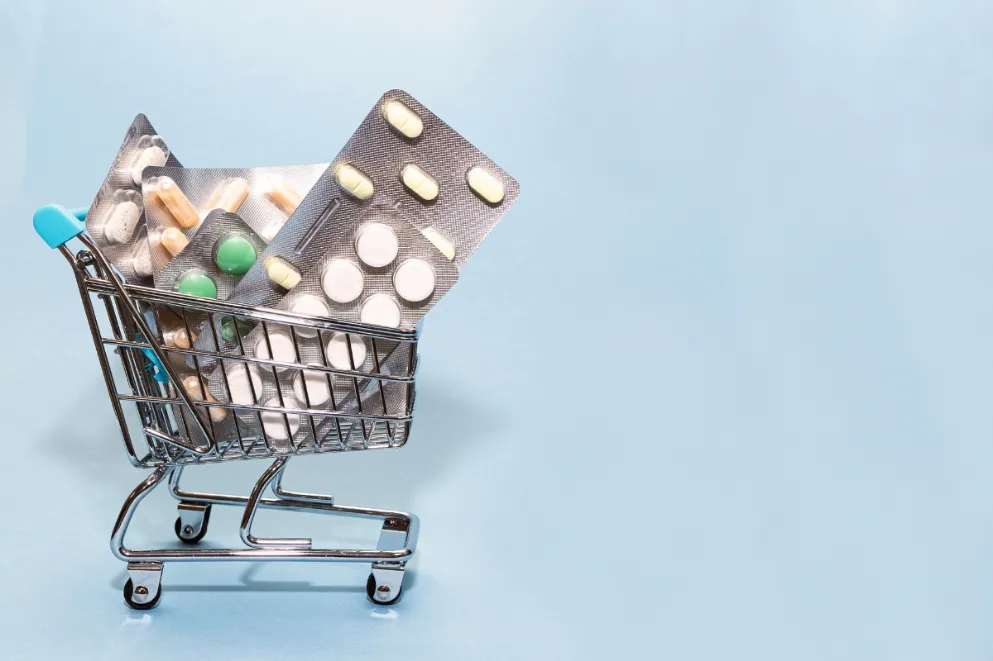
pixel 166 426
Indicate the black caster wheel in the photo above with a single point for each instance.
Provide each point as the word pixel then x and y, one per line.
pixel 372 590
pixel 189 536
pixel 129 596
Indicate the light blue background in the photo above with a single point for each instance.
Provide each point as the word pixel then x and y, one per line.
pixel 718 387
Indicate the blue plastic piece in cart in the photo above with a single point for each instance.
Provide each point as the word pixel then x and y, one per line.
pixel 56 225
pixel 160 373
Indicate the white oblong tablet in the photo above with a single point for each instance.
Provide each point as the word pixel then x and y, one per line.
pixel 342 281
pixel 353 181
pixel 380 310
pixel 282 347
pixel 312 305
pixel 244 382
pixel 419 182
pixel 414 280
pixel 150 157
pixel 440 241
pixel 122 222
pixel 141 259
pixel 317 387
pixel 337 352
pixel 377 245
pixel 485 185
pixel 275 424
pixel 403 119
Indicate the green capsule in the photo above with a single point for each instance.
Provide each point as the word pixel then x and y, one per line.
pixel 196 283
pixel 234 254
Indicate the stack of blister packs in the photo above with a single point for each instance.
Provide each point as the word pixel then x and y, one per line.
pixel 375 237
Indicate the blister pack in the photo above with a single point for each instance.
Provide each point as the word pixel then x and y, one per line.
pixel 178 200
pixel 401 156
pixel 116 220
pixel 223 249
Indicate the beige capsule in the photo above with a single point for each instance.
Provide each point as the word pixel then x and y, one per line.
pixel 199 393
pixel 178 205
pixel 173 240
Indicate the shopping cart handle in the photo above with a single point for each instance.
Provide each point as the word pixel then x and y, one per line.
pixel 56 225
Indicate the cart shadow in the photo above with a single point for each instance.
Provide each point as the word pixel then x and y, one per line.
pixel 250 584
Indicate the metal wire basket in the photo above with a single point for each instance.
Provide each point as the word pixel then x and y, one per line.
pixel 156 349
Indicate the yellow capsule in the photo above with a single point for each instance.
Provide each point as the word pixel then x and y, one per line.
pixel 285 197
pixel 403 119
pixel 446 247
pixel 485 185
pixel 281 272
pixel 173 240
pixel 227 195
pixel 196 390
pixel 176 202
pixel 354 181
pixel 419 182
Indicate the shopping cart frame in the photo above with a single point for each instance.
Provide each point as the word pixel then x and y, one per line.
pixel 175 442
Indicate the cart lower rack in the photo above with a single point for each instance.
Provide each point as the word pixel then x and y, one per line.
pixel 156 350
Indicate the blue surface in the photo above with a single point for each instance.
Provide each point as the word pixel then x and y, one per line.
pixel 718 387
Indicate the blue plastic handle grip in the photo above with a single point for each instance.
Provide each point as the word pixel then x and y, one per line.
pixel 56 225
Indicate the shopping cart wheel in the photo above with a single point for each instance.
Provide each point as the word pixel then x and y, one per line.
pixel 144 586
pixel 385 586
pixel 191 525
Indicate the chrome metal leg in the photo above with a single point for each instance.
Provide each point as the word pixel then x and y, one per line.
pixel 251 506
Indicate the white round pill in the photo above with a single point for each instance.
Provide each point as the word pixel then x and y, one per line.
pixel 312 305
pixel 317 387
pixel 380 310
pixel 338 352
pixel 377 245
pixel 245 383
pixel 275 424
pixel 414 280
pixel 342 281
pixel 282 347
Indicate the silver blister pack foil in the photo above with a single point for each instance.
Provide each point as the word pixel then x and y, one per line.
pixel 270 195
pixel 200 255
pixel 116 220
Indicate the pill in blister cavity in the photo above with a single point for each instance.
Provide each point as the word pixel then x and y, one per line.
pixel 282 194
pixel 403 119
pixel 234 254
pixel 337 352
pixel 173 240
pixel 485 185
pixel 228 195
pixel 380 310
pixel 419 182
pixel 122 222
pixel 446 247
pixel 342 281
pixel 312 305
pixel 179 207
pixel 141 260
pixel 275 423
pixel 270 231
pixel 283 349
pixel 377 244
pixel 281 272
pixel 199 393
pixel 151 151
pixel 233 329
pixel 354 181
pixel 244 383
pixel 317 387
pixel 196 283
pixel 414 280
pixel 177 337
